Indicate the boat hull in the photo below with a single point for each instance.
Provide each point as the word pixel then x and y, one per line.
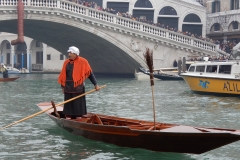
pixel 213 85
pixel 163 76
pixel 132 133
pixel 8 79
pixel 166 77
pixel 163 142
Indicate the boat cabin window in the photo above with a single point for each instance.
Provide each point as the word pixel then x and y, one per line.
pixel 211 69
pixel 200 68
pixel 225 69
pixel 191 69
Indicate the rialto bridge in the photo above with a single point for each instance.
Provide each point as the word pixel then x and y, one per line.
pixel 112 44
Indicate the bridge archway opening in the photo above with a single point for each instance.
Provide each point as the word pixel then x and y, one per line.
pixel 145 14
pixel 192 24
pixel 171 21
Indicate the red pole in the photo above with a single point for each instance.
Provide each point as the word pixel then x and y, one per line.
pixel 20 39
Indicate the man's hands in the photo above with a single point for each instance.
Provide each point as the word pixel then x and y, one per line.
pixel 97 87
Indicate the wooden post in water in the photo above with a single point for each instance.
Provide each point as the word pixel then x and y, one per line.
pixel 184 65
pixel 179 65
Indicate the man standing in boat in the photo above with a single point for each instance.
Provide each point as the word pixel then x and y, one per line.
pixel 4 70
pixel 73 74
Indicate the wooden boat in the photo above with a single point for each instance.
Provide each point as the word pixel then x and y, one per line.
pixel 167 77
pixel 214 77
pixel 8 79
pixel 125 132
pixel 164 74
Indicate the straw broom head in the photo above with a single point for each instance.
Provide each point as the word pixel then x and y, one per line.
pixel 149 60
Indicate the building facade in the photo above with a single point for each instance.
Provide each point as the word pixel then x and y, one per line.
pixel 32 55
pixel 182 15
pixel 223 20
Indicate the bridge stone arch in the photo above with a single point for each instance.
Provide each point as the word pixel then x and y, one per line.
pixel 108 40
pixel 125 57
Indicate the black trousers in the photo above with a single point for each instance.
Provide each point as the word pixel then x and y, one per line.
pixel 75 108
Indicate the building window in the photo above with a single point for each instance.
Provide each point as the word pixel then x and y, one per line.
pixel 235 25
pixel 61 56
pixel 225 69
pixel 192 18
pixel 38 43
pixel 168 10
pixel 143 4
pixel 217 27
pixel 8 58
pixel 234 4
pixel 39 57
pixel 8 46
pixel 49 57
pixel 215 6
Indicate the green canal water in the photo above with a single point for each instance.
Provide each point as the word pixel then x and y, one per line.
pixel 40 138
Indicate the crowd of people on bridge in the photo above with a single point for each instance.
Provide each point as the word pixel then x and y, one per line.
pixel 224 46
pixel 210 58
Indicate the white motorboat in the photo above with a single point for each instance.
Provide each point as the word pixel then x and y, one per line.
pixel 221 77
pixel 12 70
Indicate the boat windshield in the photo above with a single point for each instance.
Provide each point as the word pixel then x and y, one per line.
pixel 211 69
pixel 191 69
pixel 225 69
pixel 200 68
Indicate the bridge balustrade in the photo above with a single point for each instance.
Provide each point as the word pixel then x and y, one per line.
pixel 132 25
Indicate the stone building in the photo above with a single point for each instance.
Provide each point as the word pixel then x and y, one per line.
pixel 223 19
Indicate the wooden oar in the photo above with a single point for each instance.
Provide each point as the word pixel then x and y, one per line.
pixel 33 115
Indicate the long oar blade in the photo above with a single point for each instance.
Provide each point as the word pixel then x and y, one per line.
pixel 40 112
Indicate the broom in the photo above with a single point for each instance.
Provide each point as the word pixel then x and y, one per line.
pixel 149 60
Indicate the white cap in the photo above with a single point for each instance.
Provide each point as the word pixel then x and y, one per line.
pixel 74 50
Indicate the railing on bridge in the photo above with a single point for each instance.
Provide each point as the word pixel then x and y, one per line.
pixel 117 21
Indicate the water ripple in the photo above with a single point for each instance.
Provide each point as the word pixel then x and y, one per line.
pixel 39 137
